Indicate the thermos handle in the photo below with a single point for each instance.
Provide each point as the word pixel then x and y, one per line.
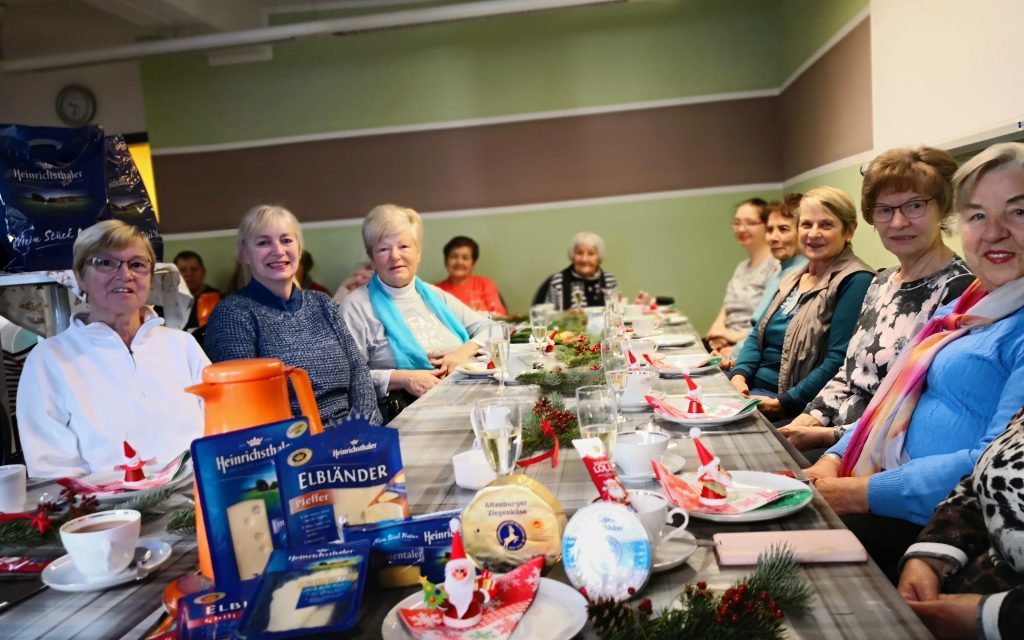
pixel 307 401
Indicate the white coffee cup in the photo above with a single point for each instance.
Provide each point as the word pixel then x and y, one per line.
pixel 632 311
pixel 638 384
pixel 472 470
pixel 635 450
pixel 12 488
pixel 645 325
pixel 102 544
pixel 653 511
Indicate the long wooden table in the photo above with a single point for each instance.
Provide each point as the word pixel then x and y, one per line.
pixel 851 600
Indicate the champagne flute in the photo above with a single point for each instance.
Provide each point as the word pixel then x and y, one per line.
pixel 539 315
pixel 597 415
pixel 613 353
pixel 498 426
pixel 618 380
pixel 498 334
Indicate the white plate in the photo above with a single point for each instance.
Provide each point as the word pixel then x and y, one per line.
pixel 62 575
pixel 476 370
pixel 675 340
pixel 685 364
pixel 698 422
pixel 633 335
pixel 675 318
pixel 558 611
pixel 633 406
pixel 111 497
pixel 674 552
pixel 761 480
pixel 672 462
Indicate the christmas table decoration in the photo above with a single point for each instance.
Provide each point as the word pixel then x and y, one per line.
pixel 548 428
pixel 751 609
pixel 32 529
pixel 714 480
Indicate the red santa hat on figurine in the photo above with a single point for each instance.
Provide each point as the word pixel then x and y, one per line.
pixel 465 597
pixel 693 394
pixel 714 480
pixel 133 464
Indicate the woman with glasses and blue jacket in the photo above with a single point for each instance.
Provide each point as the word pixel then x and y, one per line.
pixel 117 374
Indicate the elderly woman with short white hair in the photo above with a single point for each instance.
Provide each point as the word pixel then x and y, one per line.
pixel 117 374
pixel 412 333
pixel 583 281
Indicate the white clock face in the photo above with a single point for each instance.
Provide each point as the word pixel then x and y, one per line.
pixel 76 105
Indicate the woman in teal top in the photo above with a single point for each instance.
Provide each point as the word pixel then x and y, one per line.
pixel 800 341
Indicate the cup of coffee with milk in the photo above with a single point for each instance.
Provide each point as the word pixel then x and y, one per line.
pixel 102 544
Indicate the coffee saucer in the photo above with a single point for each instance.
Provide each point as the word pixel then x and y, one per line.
pixel 62 575
pixel 673 552
pixel 672 462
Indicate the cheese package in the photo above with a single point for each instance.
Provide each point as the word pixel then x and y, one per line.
pixel 239 496
pixel 403 550
pixel 308 590
pixel 212 614
pixel 352 474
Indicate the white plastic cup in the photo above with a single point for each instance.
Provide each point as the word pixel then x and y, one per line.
pixel 13 493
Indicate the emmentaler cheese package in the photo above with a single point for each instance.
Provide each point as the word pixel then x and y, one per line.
pixel 405 549
pixel 239 496
pixel 352 474
pixel 308 590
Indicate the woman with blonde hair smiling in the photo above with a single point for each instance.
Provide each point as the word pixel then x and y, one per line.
pixel 271 317
pixel 801 339
pixel 412 333
pixel 117 373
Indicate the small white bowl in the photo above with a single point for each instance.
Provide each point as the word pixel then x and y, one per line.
pixel 471 470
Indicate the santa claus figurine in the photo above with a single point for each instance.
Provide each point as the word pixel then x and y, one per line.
pixel 714 480
pixel 465 596
pixel 693 394
pixel 133 464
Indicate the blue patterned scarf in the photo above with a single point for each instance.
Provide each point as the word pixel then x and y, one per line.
pixel 409 354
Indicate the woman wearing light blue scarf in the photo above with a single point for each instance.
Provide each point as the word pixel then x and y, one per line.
pixel 412 333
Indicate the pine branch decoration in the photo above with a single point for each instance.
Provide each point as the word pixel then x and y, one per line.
pixel 752 609
pixel 564 382
pixel 562 422
pixel 148 502
pixel 182 522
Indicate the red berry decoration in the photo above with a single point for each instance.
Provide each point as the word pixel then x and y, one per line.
pixel 703 585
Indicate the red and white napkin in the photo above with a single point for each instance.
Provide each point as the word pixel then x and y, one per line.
pixel 722 409
pixel 170 472
pixel 686 495
pixel 513 595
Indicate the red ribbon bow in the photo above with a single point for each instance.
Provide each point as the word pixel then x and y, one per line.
pixel 548 430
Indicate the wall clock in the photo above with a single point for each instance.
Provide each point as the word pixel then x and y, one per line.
pixel 76 105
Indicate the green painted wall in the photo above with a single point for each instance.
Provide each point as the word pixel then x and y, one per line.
pixel 808 24
pixel 681 247
pixel 566 59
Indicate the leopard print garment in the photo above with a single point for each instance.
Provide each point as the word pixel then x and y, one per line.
pixel 984 517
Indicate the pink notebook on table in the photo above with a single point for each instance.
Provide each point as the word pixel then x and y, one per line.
pixel 818 545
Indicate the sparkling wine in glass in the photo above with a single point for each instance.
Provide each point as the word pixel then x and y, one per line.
pixel 498 334
pixel 498 425
pixel 597 415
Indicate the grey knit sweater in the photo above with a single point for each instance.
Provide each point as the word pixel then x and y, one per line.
pixel 304 331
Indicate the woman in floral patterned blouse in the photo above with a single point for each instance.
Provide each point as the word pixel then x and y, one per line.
pixel 907 197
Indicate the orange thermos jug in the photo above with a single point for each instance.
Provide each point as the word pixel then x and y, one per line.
pixel 238 394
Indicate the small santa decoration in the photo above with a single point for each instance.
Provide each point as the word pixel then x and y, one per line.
pixel 466 594
pixel 693 394
pixel 714 480
pixel 133 464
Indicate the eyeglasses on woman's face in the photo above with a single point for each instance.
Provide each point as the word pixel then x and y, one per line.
pixel 108 265
pixel 911 210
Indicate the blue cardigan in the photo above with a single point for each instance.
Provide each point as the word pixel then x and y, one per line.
pixel 973 387
pixel 306 331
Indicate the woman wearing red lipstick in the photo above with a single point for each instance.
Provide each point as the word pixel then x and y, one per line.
pixel 748 281
pixel 908 197
pixel 953 389
pixel 117 373
pixel 271 317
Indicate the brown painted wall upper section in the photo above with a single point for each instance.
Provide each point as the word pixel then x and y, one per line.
pixel 826 112
pixel 825 115
pixel 721 143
